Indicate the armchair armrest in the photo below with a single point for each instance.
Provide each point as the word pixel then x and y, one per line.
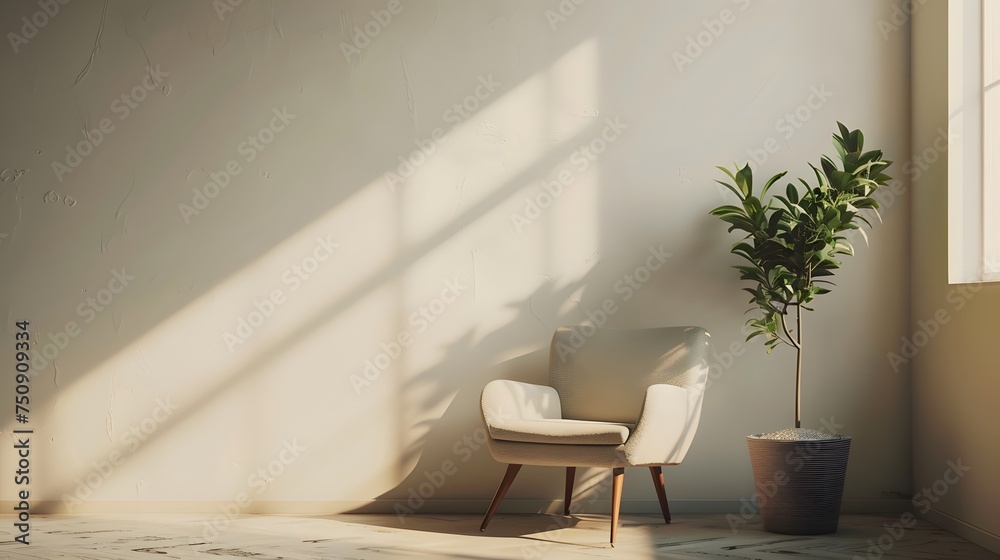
pixel 505 402
pixel 666 426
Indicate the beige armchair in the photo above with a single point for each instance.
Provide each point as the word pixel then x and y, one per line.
pixel 615 399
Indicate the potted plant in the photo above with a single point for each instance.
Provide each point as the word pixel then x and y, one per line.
pixel 791 243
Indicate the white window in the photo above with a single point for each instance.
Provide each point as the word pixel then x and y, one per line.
pixel 974 124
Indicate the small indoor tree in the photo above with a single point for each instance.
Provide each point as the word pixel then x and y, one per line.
pixel 792 240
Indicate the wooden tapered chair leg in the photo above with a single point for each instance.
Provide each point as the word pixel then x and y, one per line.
pixel 616 499
pixel 661 493
pixel 508 479
pixel 570 475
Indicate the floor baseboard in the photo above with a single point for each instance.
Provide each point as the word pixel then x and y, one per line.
pixel 968 532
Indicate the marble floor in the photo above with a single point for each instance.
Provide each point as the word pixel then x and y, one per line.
pixel 106 537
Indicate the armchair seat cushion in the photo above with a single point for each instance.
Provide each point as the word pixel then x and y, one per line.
pixel 559 431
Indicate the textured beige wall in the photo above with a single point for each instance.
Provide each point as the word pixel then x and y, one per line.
pixel 955 380
pixel 287 201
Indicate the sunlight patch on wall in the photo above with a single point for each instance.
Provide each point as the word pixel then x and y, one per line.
pixel 274 316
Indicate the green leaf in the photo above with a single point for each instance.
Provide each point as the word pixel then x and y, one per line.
pixel 844 132
pixel 752 206
pixel 774 223
pixel 771 181
pixel 727 171
pixel 792 193
pixel 730 187
pixel 727 209
pixel 838 142
pixel 744 180
pixel 843 247
pixel 789 248
pixel 828 166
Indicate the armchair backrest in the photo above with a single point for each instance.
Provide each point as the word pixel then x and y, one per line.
pixel 602 374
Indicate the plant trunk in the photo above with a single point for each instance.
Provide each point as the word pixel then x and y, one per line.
pixel 798 367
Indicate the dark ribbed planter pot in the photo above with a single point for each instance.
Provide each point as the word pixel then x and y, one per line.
pixel 799 484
